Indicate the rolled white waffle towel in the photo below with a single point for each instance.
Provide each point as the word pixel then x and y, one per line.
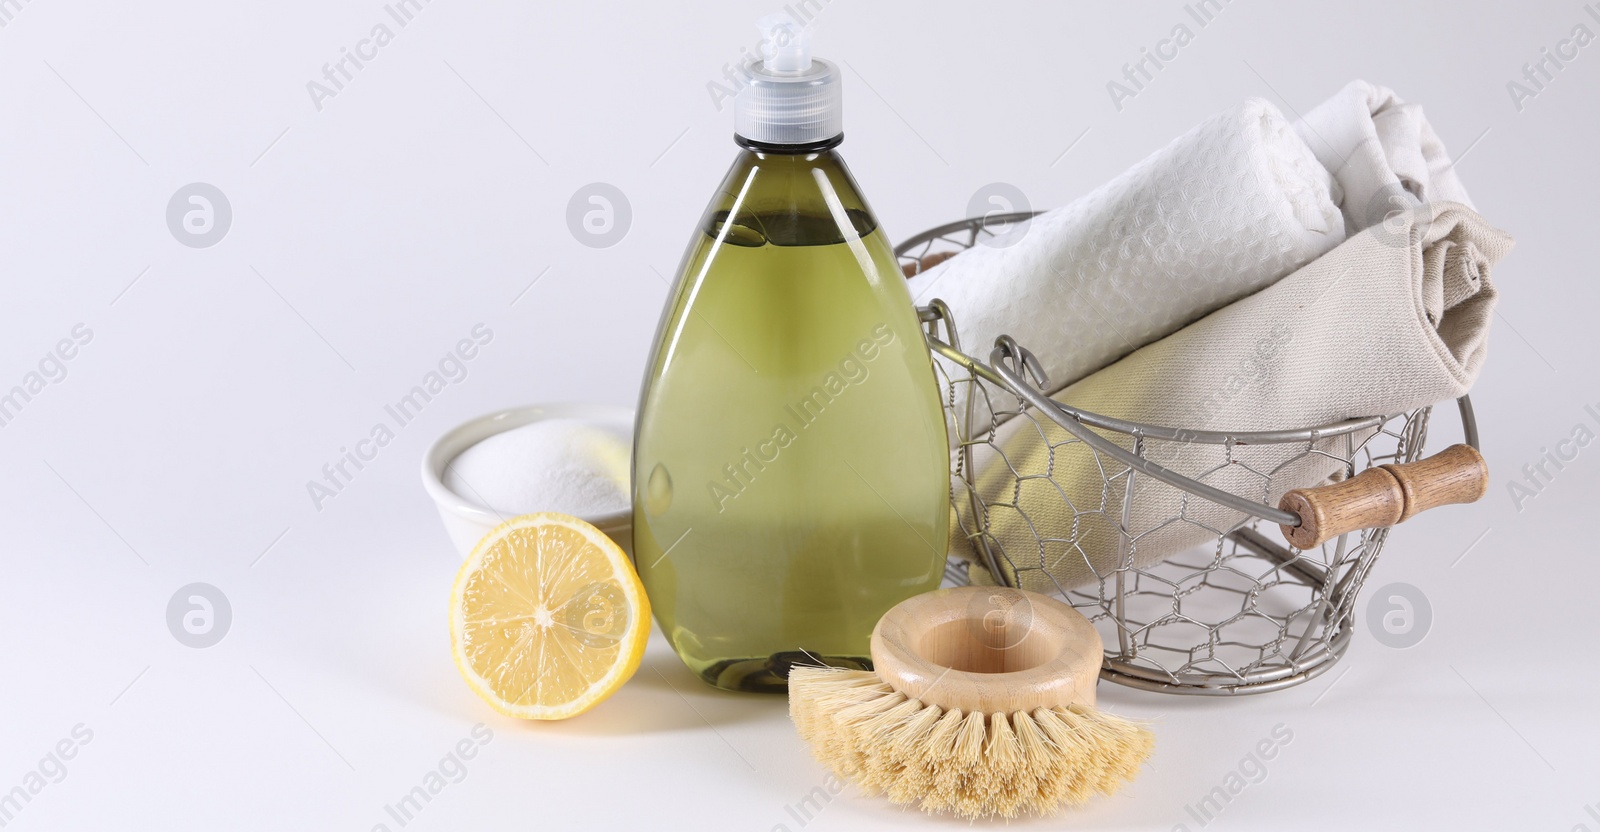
pixel 1382 152
pixel 1224 210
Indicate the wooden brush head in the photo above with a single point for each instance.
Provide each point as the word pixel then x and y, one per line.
pixel 988 649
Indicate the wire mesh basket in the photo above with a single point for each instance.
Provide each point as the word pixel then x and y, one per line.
pixel 1241 612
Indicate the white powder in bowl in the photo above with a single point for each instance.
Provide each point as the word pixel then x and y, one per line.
pixel 565 465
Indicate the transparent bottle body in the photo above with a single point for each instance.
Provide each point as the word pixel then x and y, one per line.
pixel 791 471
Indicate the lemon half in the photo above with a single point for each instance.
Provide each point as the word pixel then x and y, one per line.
pixel 547 617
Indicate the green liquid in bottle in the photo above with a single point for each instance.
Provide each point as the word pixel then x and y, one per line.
pixel 791 472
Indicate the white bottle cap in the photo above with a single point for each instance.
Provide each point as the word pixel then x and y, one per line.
pixel 789 98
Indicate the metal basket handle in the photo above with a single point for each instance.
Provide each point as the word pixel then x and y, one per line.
pixel 1379 497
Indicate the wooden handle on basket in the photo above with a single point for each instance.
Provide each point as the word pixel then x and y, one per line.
pixel 925 263
pixel 1386 495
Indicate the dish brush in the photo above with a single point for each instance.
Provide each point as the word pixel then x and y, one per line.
pixel 982 704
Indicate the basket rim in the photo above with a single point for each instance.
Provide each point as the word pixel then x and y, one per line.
pixel 1147 430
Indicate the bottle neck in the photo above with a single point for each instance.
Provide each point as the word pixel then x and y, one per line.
pixel 787 149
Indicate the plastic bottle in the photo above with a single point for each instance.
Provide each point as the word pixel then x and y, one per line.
pixel 791 469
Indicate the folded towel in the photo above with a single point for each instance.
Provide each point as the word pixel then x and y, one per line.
pixel 1382 152
pixel 1374 327
pixel 1225 209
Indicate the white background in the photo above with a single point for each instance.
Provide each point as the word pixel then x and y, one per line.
pixel 429 194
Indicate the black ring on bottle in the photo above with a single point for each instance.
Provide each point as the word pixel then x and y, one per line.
pixel 767 147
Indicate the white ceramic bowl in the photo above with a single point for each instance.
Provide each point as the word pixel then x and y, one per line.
pixel 466 521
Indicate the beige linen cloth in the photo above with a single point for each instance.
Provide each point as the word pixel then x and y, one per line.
pixel 1392 319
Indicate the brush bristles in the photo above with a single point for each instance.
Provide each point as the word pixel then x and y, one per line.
pixel 973 765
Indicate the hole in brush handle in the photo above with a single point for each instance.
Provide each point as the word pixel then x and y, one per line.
pixel 988 649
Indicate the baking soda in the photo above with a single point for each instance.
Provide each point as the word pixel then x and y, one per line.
pixel 566 465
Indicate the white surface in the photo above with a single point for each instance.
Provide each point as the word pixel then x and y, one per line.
pixel 407 211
